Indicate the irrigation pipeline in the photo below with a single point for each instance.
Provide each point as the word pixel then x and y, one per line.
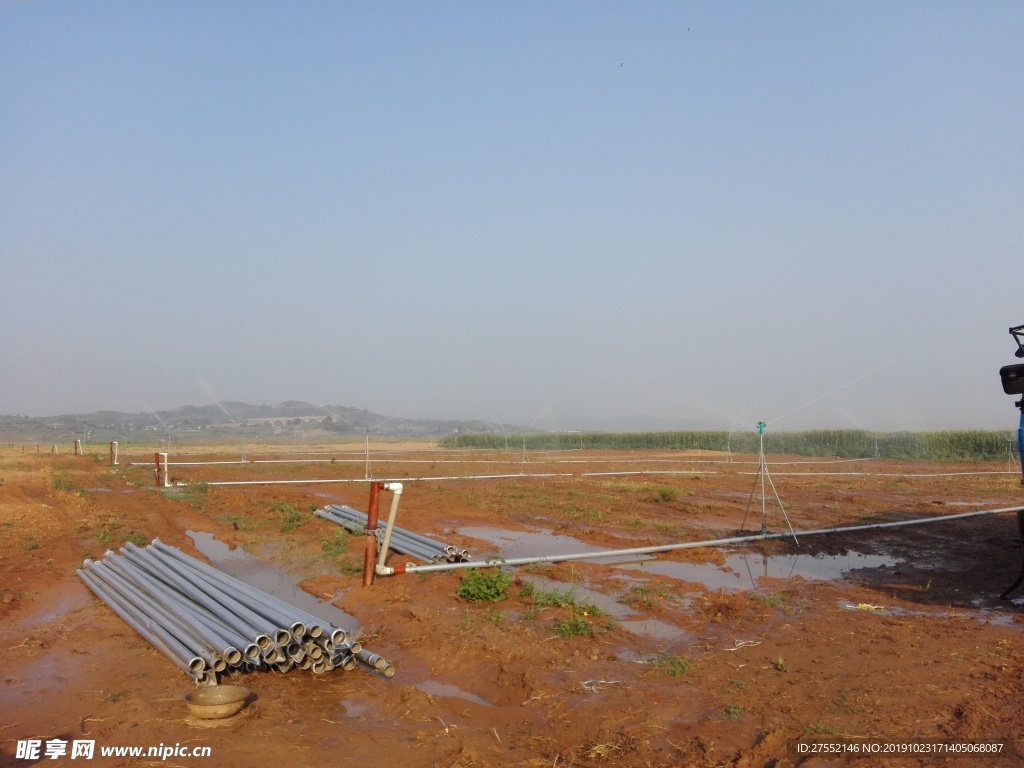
pixel 624 473
pixel 208 623
pixel 402 540
pixel 595 460
pixel 888 474
pixel 498 562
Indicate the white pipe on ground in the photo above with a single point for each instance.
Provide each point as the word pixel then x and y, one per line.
pixel 396 489
pixel 497 562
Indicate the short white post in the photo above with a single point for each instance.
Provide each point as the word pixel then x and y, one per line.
pixel 167 474
pixel 78 447
pixel 113 453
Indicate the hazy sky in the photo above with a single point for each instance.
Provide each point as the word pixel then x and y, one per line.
pixel 716 211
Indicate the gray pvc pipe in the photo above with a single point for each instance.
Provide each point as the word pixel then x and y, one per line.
pixel 225 599
pixel 286 614
pixel 371 659
pixel 361 518
pixel 154 611
pixel 314 625
pixel 114 602
pixel 299 622
pixel 264 604
pixel 164 552
pixel 431 544
pixel 214 605
pixel 209 636
pixel 399 541
pixel 127 583
pixel 203 643
pixel 146 627
pixel 223 636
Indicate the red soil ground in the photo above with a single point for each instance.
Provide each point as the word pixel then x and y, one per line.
pixel 711 668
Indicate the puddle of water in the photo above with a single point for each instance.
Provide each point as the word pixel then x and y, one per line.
pixel 66 601
pixel 708 574
pixel 997 617
pixel 659 630
pixel 49 676
pixel 269 578
pixel 537 543
pixel 606 603
pixel 882 610
pixel 354 709
pixel 445 690
pixel 742 571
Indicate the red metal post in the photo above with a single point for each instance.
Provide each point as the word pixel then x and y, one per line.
pixel 370 557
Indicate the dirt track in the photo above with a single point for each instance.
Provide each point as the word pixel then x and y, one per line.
pixel 737 669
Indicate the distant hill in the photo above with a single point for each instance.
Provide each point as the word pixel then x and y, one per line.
pixel 287 418
pixel 294 417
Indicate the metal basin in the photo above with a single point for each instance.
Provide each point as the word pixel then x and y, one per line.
pixel 217 701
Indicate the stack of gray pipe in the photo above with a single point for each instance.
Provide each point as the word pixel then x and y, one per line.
pixel 402 540
pixel 207 622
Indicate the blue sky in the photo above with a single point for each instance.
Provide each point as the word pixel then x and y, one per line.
pixel 804 213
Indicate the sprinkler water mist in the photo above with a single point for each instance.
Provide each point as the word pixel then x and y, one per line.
pixel 1013 384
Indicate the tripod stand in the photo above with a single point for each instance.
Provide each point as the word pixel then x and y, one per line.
pixel 762 473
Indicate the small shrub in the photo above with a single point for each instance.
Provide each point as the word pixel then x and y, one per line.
pixel 61 484
pixel 732 711
pixel 336 544
pixel 668 495
pixel 670 664
pixel 136 538
pixel 291 518
pixel 351 567
pixel 774 600
pixel 780 665
pixel 572 627
pixel 645 596
pixel 479 586
pixel 108 532
pixel 559 598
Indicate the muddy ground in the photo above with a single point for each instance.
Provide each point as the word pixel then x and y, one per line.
pixel 700 657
